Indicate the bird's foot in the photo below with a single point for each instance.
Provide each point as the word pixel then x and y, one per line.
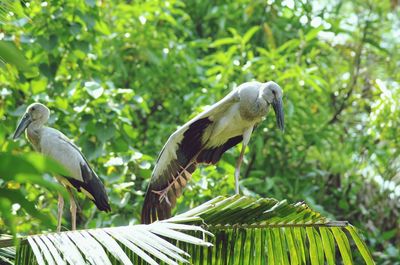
pixel 163 194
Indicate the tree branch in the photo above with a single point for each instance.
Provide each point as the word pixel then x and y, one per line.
pixel 354 78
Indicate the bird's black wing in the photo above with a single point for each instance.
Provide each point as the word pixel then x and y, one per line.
pixel 179 158
pixel 91 185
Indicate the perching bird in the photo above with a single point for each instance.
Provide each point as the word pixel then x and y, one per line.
pixel 204 139
pixel 56 145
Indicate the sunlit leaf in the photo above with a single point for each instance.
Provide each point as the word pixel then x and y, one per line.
pixel 249 34
pixel 94 89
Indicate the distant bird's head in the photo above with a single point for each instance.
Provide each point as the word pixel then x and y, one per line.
pixel 35 113
pixel 272 93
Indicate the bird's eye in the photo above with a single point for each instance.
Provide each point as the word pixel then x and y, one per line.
pixel 32 109
pixel 273 92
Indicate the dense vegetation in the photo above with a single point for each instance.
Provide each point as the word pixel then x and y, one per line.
pixel 121 76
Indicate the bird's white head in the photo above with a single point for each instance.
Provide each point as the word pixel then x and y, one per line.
pixel 36 114
pixel 272 93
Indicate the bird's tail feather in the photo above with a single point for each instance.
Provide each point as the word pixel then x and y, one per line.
pixel 154 209
pixel 94 190
pixel 100 195
pixel 92 187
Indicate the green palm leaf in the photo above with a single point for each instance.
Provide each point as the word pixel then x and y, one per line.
pixel 267 231
pixel 7 254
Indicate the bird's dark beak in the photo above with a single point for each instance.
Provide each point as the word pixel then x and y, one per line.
pixel 22 125
pixel 278 108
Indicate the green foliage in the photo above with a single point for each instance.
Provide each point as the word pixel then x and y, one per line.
pixel 26 169
pixel 10 54
pixel 120 76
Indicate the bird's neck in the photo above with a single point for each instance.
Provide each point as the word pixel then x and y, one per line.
pixel 33 134
pixel 254 110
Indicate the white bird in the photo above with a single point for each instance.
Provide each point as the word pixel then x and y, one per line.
pixel 204 139
pixel 56 145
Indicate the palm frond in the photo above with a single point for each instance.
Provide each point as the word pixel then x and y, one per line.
pixel 7 255
pixel 268 231
pixel 117 245
pixel 247 231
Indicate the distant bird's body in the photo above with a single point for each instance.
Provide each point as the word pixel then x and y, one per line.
pixel 204 139
pixel 57 146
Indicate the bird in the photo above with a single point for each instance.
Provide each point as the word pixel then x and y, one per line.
pixel 204 139
pixel 54 144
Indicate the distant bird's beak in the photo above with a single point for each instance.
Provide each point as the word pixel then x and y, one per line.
pixel 22 125
pixel 278 108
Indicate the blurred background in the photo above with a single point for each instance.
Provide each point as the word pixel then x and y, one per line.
pixel 121 76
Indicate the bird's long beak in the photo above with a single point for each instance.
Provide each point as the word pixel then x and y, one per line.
pixel 22 125
pixel 278 108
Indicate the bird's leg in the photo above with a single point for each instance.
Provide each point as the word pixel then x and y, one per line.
pixel 60 211
pixel 246 139
pixel 237 169
pixel 72 208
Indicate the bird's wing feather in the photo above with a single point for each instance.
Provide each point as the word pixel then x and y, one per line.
pixel 82 177
pixel 56 145
pixel 197 124
pixel 179 157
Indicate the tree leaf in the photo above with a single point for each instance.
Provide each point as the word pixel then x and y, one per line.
pixel 224 41
pixel 94 89
pixel 249 34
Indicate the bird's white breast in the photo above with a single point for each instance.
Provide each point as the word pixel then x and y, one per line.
pixel 54 144
pixel 228 125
